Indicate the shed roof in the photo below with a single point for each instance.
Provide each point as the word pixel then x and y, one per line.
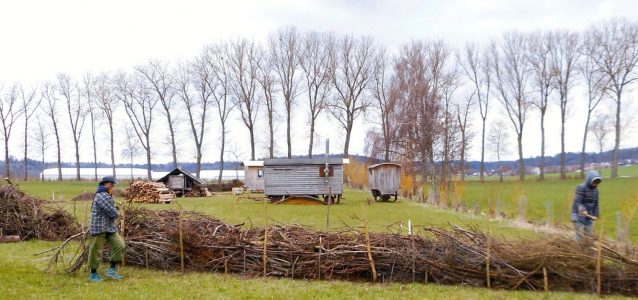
pixel 302 161
pixel 384 164
pixel 253 163
pixel 179 171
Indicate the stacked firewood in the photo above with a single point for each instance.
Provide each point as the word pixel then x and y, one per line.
pixel 199 191
pixel 149 192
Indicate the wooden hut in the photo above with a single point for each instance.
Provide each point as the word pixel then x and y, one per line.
pixel 183 183
pixel 303 177
pixel 254 175
pixel 385 181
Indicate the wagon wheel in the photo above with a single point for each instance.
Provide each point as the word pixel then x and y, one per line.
pixel 376 195
pixel 385 198
pixel 396 197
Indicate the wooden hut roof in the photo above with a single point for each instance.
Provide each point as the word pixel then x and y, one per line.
pixel 302 161
pixel 179 171
pixel 384 164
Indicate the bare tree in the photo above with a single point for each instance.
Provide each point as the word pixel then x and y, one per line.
pixel 51 110
pixel 219 61
pixel 541 46
pixel 498 141
pixel 565 57
pixel 91 101
pixel 384 104
pixel 478 68
pixel 161 81
pixel 267 82
pixel 106 101
pixel 196 78
pixel 463 109
pixel 76 112
pixel 615 49
pixel 29 105
pixel 284 46
pixel 512 74
pixel 244 67
pixel 595 83
pixel 139 105
pixel 41 139
pixel 600 130
pixel 131 147
pixel 352 70
pixel 9 114
pixel 317 52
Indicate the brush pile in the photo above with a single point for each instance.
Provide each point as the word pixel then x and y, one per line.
pixel 149 192
pixel 29 217
pixel 455 256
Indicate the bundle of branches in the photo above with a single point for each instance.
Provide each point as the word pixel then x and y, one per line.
pixel 457 256
pixel 148 191
pixel 29 217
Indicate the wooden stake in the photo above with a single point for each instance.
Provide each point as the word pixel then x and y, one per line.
pixel 369 249
pixel 545 280
pixel 599 259
pixel 122 228
pixel 328 208
pixel 265 255
pixel 181 239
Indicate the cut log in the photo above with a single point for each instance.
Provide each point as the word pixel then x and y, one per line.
pixel 9 238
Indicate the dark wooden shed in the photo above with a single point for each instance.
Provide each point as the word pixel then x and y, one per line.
pixel 181 182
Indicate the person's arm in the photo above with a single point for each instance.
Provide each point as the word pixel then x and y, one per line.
pixel 595 211
pixel 578 206
pixel 108 206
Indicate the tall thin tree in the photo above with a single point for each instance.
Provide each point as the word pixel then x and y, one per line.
pixel 9 113
pixel 30 102
pixel 70 91
pixel 107 103
pixel 49 94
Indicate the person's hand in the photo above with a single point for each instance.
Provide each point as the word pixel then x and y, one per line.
pixel 594 218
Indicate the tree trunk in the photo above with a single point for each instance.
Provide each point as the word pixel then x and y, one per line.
pixel 112 141
pixel 583 153
pixel 251 130
pixel 614 164
pixel 482 168
pixel 173 146
pixel 562 145
pixel 77 160
pixel 148 158
pixel 198 167
pixel 542 165
pixel 6 157
pixel 312 137
pixel 463 156
pixel 521 162
pixel 288 134
pixel 346 146
pixel 94 153
pixel 221 158
pixel 57 139
pixel 271 129
pixel 26 164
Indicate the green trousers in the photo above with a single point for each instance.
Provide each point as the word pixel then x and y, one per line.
pixel 96 244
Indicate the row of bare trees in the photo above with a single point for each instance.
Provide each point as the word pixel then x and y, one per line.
pixel 421 99
pixel 423 94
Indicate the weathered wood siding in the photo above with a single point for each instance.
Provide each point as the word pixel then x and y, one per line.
pixel 301 180
pixel 252 179
pixel 385 178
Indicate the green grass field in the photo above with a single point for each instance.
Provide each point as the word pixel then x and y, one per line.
pixel 21 275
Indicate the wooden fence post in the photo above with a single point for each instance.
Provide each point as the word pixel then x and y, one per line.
pixel 181 238
pixel 599 259
pixel 369 247
pixel 265 254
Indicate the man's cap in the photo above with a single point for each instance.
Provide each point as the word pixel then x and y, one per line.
pixel 108 179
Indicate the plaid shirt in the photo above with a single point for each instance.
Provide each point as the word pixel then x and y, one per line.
pixel 103 214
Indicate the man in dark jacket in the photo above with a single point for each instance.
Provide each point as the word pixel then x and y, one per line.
pixel 103 228
pixel 585 208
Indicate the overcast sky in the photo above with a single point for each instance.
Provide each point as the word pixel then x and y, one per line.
pixel 42 38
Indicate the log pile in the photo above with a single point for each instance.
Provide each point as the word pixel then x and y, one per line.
pixel 29 217
pixel 198 191
pixel 149 192
pixel 456 256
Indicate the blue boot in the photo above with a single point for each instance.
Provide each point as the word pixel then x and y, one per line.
pixel 112 273
pixel 95 277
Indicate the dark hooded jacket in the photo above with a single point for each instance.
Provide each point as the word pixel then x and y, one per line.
pixel 586 199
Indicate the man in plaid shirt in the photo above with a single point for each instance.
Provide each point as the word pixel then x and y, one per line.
pixel 104 215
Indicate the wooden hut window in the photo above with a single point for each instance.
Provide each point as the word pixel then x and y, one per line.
pixel 260 173
pixel 322 171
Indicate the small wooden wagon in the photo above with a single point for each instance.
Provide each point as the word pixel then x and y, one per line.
pixel 385 181
pixel 302 180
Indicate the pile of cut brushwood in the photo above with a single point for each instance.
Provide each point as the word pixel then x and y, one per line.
pixel 25 217
pixel 149 192
pixel 174 240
